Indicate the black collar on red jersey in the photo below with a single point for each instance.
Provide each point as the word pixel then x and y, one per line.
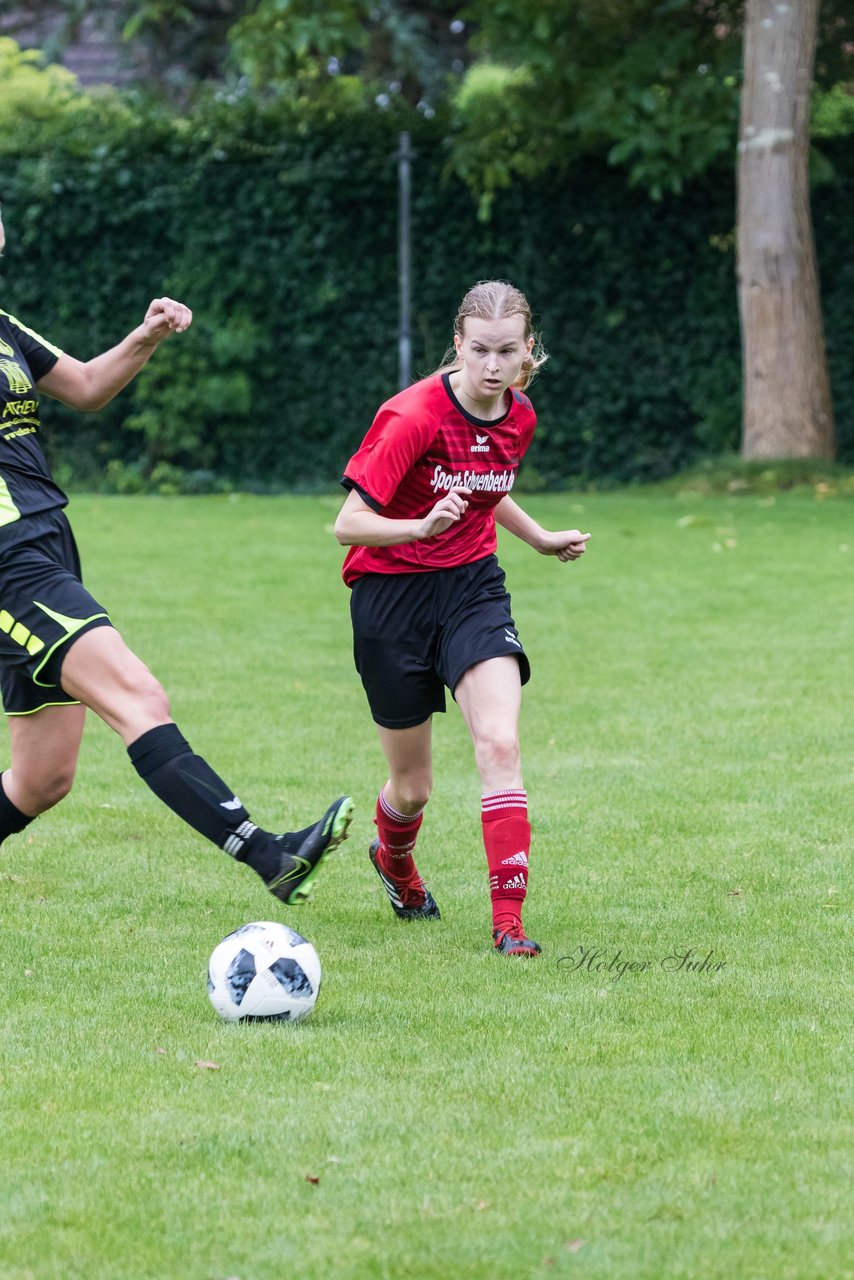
pixel 469 417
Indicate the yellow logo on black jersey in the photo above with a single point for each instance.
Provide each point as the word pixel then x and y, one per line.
pixel 15 376
pixel 6 349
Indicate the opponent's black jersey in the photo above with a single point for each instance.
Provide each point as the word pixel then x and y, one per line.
pixel 26 486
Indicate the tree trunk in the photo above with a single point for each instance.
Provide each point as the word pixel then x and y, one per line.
pixel 788 412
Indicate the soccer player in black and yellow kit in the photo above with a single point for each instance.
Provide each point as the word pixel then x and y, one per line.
pixel 59 652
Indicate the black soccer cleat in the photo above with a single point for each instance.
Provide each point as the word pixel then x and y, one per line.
pixel 410 899
pixel 512 942
pixel 294 881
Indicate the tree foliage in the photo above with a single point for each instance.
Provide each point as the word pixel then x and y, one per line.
pixel 275 222
pixel 169 45
pixel 237 203
pixel 394 48
pixel 653 85
pixel 32 93
pixel 650 85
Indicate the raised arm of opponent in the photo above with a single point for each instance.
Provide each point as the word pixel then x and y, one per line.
pixel 93 383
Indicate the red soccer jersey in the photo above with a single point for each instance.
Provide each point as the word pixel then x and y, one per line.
pixel 421 443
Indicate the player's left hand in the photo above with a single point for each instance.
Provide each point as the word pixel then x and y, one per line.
pixel 568 544
pixel 165 316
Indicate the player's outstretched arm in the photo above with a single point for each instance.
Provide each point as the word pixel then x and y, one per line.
pixel 358 525
pixel 93 383
pixel 567 544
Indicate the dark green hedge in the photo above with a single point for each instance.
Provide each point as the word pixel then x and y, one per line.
pixel 284 242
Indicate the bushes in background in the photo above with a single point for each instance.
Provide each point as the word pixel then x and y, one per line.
pixel 281 233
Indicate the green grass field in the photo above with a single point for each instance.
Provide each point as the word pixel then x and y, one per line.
pixel 448 1113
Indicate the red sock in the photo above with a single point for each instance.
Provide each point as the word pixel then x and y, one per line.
pixel 507 840
pixel 397 833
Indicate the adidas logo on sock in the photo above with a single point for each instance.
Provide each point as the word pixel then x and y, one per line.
pixel 519 859
pixel 518 882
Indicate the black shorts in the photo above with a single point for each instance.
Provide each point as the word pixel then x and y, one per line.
pixel 43 605
pixel 414 634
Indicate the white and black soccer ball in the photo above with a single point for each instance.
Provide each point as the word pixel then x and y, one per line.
pixel 264 971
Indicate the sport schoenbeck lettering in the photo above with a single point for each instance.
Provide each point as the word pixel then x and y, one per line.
pixel 489 482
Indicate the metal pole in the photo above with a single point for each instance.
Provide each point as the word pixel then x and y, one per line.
pixel 404 232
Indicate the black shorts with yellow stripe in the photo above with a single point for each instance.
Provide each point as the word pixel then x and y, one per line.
pixel 43 607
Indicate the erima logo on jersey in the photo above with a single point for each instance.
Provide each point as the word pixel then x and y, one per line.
pixel 482 445
pixel 519 859
pixel 511 638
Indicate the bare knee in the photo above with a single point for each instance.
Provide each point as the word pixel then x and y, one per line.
pixel 35 794
pixel 147 693
pixel 56 788
pixel 104 674
pixel 131 701
pixel 133 685
pixel 136 702
pixel 409 792
pixel 499 758
pixel 143 704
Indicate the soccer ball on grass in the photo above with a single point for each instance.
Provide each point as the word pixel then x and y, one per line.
pixel 264 971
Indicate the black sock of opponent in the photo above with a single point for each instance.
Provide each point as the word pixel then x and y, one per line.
pixel 11 818
pixel 188 785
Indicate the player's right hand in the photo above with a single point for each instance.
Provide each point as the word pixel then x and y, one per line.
pixel 449 510
pixel 165 316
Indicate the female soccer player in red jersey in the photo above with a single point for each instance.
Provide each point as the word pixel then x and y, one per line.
pixel 59 652
pixel 428 603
